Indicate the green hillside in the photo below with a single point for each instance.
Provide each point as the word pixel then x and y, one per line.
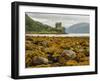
pixel 35 27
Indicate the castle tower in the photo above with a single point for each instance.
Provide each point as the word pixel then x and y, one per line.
pixel 58 25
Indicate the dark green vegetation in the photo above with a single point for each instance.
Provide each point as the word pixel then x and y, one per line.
pixel 36 27
pixel 56 51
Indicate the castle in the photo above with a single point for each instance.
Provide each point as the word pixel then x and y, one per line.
pixel 59 27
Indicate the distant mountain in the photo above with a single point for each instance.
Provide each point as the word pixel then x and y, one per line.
pixel 78 28
pixel 36 27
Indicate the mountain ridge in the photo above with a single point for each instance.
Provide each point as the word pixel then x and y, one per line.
pixel 78 28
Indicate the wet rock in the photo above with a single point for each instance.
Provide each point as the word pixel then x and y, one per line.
pixel 37 60
pixel 68 54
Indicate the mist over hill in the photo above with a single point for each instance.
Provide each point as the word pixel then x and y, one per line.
pixel 78 28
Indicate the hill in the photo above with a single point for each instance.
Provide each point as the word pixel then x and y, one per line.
pixel 78 28
pixel 36 27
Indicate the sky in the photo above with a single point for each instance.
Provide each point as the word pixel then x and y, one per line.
pixel 66 19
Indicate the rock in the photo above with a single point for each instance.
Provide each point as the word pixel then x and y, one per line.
pixel 84 63
pixel 44 43
pixel 37 60
pixel 84 59
pixel 81 50
pixel 71 63
pixel 62 61
pixel 55 59
pixel 52 59
pixel 68 54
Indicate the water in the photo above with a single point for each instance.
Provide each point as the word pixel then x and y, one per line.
pixel 60 35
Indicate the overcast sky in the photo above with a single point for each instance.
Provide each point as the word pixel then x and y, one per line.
pixel 66 19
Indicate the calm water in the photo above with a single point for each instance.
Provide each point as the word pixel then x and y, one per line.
pixel 60 35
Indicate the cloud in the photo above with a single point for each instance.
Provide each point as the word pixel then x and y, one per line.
pixel 66 19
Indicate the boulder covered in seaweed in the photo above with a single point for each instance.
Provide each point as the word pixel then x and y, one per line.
pixel 37 60
pixel 68 54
